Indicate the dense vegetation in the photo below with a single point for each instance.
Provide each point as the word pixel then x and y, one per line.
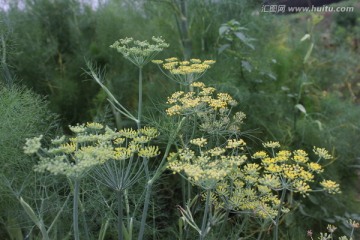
pixel 296 77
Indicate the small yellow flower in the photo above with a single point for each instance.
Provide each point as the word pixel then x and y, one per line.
pixel 233 143
pixel 198 84
pixel 149 152
pixel 128 133
pixel 331 186
pixel 283 156
pixel 300 156
pixel 252 169
pixel 322 153
pixel 315 167
pixel 157 61
pixel 271 144
pixel 174 110
pixel 268 160
pixel 209 62
pixel 58 140
pixel 273 168
pixel 260 154
pixel 68 147
pixel 302 187
pixel 141 139
pixel 173 59
pixel 78 128
pixel 32 145
pixel 150 132
pixel 170 65
pixel 199 142
pixel 270 180
pixel 193 60
pixel 119 141
pixel 94 125
pixel 217 151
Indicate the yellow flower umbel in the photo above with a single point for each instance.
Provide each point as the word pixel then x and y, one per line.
pixel 92 144
pixel 140 52
pixel 184 72
pixel 255 186
pixel 212 109
pixel 204 167
pixel 295 169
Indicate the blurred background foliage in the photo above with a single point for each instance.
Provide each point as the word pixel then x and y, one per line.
pixel 301 93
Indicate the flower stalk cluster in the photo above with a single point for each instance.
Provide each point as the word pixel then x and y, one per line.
pixel 93 144
pixel 96 145
pixel 140 52
pixel 184 72
pixel 206 167
pixel 294 170
pixel 212 110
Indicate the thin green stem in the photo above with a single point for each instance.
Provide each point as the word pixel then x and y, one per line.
pixel 120 214
pixel 277 221
pixel 226 217
pixel 140 98
pixel 76 208
pixel 205 216
pixel 127 208
pixel 145 209
pixel 352 232
pixel 85 226
pixel 58 214
pixel 112 99
pixel 183 187
pixel 43 231
pixel 189 189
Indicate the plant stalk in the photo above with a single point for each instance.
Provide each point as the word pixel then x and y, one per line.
pixel 120 215
pixel 276 232
pixel 140 98
pixel 76 208
pixel 205 217
pixel 145 209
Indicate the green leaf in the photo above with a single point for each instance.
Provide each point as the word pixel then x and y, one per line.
pixel 305 37
pixel 30 212
pixel 301 108
pixel 223 29
pixel 241 36
pixel 103 229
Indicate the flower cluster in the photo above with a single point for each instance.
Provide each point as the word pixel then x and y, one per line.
pixel 140 52
pixel 294 169
pixel 206 167
pixel 184 72
pixel 255 185
pixel 32 145
pixel 211 109
pixel 92 144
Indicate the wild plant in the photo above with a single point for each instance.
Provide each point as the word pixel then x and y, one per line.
pixel 217 162
pixel 205 146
